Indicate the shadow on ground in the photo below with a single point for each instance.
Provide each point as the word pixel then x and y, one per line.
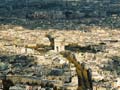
pixel 51 15
pixel 113 66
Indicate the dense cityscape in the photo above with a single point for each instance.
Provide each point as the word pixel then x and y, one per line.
pixel 60 14
pixel 59 45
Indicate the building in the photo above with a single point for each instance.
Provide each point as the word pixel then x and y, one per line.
pixel 59 45
pixel 116 84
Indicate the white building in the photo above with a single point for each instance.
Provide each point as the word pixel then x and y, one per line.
pixel 59 45
pixel 116 84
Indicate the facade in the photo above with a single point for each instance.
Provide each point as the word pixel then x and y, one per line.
pixel 59 45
